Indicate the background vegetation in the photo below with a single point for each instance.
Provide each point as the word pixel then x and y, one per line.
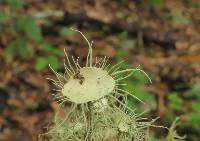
pixel 162 36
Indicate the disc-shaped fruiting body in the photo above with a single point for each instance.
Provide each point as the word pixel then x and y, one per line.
pixel 88 84
pixel 91 82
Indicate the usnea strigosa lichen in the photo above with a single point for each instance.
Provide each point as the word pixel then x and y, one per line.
pixel 99 107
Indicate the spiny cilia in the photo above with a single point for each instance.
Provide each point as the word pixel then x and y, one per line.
pixel 98 105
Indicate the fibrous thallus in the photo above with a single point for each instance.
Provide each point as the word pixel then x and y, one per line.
pixel 94 93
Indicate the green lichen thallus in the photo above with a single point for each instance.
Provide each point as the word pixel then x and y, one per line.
pixel 96 113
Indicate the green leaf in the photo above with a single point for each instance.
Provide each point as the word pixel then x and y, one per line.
pixel 15 3
pixel 28 25
pixel 33 31
pixel 139 77
pixel 143 95
pixel 121 54
pixel 54 61
pixel 51 49
pixel 10 50
pixel 23 50
pixel 155 3
pixel 194 119
pixel 41 63
pixel 17 47
pixel 146 97
pixel 196 106
pixel 175 102
pixel 21 23
pixel 173 97
pixel 3 16
pixel 47 47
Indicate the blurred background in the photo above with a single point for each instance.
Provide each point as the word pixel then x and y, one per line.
pixel 162 36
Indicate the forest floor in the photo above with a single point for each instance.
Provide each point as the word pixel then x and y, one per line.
pixel 163 38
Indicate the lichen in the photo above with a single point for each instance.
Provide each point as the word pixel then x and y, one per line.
pixel 173 135
pixel 99 108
